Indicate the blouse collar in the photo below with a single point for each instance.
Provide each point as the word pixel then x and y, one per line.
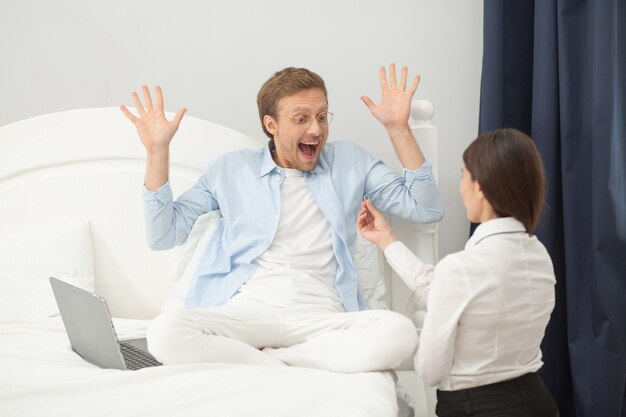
pixel 495 227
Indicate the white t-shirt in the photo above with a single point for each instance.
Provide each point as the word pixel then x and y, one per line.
pixel 487 306
pixel 299 267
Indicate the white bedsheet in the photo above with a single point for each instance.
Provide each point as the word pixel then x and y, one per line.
pixel 41 376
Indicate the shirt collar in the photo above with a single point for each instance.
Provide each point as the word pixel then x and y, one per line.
pixel 494 227
pixel 268 164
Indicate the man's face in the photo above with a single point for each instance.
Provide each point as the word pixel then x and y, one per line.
pixel 300 129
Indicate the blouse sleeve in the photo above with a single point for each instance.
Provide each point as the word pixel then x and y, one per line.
pixel 416 274
pixel 449 295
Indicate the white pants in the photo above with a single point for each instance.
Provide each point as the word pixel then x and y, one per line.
pixel 245 331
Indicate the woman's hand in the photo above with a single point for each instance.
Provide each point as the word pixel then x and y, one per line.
pixel 373 226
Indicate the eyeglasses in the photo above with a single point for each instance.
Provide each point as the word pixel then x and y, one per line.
pixel 305 120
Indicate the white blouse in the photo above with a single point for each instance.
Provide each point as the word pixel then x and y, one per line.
pixel 487 306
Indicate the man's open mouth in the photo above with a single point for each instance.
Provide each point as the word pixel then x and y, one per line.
pixel 308 148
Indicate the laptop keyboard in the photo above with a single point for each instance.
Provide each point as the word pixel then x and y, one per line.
pixel 136 358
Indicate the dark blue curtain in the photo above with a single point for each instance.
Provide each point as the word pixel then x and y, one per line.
pixel 556 70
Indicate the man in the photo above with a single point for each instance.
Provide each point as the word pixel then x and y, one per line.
pixel 277 284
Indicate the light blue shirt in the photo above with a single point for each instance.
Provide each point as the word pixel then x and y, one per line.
pixel 245 186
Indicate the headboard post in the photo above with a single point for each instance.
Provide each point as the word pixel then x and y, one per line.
pixel 421 239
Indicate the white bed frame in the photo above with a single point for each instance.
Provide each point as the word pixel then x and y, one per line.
pixel 88 164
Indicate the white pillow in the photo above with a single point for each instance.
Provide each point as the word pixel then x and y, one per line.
pixel 367 258
pixel 369 263
pixel 189 257
pixel 28 260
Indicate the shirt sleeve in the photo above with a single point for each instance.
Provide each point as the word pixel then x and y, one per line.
pixel 412 195
pixel 416 274
pixel 448 297
pixel 424 192
pixel 157 215
pixel 168 222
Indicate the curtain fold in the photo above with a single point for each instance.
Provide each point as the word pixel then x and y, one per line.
pixel 555 69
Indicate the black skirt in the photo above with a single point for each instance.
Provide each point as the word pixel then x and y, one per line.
pixel 525 396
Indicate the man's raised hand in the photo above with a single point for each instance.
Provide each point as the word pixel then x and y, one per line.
pixel 395 106
pixel 155 131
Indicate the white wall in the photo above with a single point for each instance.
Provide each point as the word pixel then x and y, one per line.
pixel 212 56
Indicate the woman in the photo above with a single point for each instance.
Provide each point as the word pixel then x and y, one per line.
pixel 488 305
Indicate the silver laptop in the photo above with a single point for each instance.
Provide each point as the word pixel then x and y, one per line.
pixel 90 329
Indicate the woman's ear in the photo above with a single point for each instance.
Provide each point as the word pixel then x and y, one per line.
pixel 478 190
pixel 270 124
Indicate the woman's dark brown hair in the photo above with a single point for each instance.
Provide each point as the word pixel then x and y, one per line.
pixel 508 168
pixel 283 83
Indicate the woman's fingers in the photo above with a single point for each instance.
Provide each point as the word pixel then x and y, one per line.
pixel 370 207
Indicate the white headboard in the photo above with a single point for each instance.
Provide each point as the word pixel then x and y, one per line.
pixel 89 164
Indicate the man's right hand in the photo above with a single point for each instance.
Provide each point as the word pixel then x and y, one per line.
pixel 155 131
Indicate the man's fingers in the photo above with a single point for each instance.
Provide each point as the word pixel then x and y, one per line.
pixel 392 75
pixel 146 97
pixel 383 78
pixel 159 97
pixel 138 104
pixel 414 84
pixel 128 114
pixel 179 116
pixel 403 76
pixel 368 102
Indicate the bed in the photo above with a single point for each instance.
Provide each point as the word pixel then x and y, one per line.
pixel 70 207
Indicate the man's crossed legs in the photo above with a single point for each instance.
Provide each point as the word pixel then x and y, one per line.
pixel 251 332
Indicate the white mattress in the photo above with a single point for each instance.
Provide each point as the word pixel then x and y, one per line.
pixel 41 375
